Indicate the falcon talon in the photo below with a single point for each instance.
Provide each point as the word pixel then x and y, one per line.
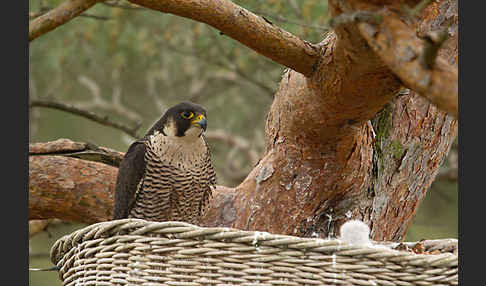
pixel 168 175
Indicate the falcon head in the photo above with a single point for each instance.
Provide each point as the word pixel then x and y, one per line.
pixel 185 119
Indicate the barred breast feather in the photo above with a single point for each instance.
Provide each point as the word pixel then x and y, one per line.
pixel 177 181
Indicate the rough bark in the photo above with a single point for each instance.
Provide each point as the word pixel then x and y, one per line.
pixel 403 52
pixel 318 139
pixel 70 189
pixel 412 139
pixel 325 163
pixel 340 142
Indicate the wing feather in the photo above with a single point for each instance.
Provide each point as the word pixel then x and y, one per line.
pixel 211 181
pixel 130 173
pixel 209 165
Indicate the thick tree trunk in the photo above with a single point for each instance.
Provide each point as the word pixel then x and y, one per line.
pixel 341 141
pixel 326 163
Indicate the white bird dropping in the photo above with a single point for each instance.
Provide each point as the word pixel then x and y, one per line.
pixel 356 232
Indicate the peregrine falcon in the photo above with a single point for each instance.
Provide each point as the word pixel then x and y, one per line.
pixel 167 175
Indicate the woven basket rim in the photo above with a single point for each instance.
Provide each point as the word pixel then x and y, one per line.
pixel 182 230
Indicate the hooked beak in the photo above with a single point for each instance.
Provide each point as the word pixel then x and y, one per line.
pixel 200 121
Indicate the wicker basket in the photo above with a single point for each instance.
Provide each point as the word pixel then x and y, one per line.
pixel 139 252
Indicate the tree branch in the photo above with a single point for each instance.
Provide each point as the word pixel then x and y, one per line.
pixel 399 47
pixel 244 26
pixel 70 189
pixel 58 16
pixel 396 43
pixel 99 102
pixel 33 15
pixel 82 190
pixel 80 150
pixel 102 119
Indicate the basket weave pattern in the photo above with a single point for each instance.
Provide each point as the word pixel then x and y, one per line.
pixel 139 252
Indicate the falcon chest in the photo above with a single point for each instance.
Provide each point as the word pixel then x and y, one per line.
pixel 185 153
pixel 175 182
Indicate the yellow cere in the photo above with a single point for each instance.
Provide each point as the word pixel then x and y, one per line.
pixel 201 116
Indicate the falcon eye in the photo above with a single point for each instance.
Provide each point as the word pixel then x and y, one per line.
pixel 187 114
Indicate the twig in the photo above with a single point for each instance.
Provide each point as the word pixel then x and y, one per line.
pixel 239 145
pixel 224 15
pixel 33 114
pixel 99 102
pixel 80 150
pixel 33 15
pixel 268 90
pixel 151 91
pixel 231 66
pixel 132 131
pixel 235 141
pixel 58 16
